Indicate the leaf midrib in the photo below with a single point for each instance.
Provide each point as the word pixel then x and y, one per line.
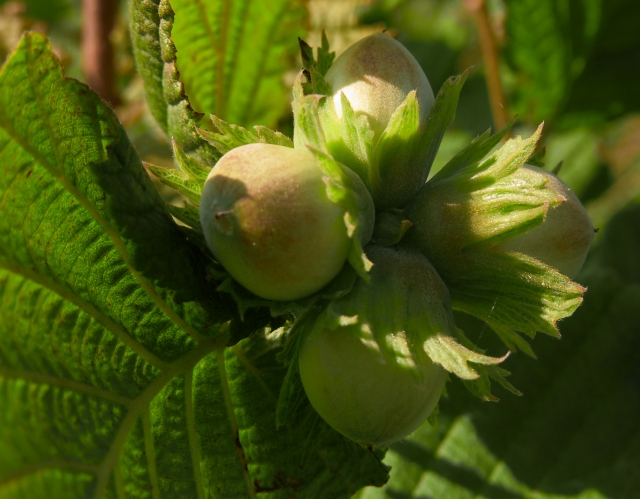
pixel 106 226
pixel 141 403
pixel 234 423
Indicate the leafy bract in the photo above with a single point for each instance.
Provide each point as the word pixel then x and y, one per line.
pixel 574 433
pixel 474 202
pixel 114 376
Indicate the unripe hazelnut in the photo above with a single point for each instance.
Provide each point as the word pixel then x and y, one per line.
pixel 369 398
pixel 268 220
pixel 369 376
pixel 376 74
pixel 564 238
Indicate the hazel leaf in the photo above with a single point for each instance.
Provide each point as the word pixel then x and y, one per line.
pixel 114 376
pixel 152 23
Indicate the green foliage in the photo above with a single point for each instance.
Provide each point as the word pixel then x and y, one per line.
pixel 46 10
pixel 155 52
pixel 605 88
pixel 574 61
pixel 574 433
pixel 114 379
pixel 232 56
pixel 541 53
pixel 475 201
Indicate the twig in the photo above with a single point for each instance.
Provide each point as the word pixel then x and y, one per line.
pixel 98 20
pixel 491 61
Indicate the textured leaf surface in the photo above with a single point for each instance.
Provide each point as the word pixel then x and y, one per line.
pixel 233 55
pixel 113 377
pixel 574 433
pixel 578 60
pixel 540 49
pixel 155 53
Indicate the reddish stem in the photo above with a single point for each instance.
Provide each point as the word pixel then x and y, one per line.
pixel 98 21
pixel 491 61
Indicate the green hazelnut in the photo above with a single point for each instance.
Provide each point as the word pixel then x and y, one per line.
pixel 364 366
pixel 365 396
pixel 376 74
pixel 564 238
pixel 268 219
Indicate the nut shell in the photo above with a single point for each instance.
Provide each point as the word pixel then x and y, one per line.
pixel 267 219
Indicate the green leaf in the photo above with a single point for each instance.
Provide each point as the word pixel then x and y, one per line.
pixel 473 153
pixel 307 128
pixel 191 167
pixel 188 214
pixel 325 57
pixel 610 63
pixel 513 290
pixel 575 61
pixel 393 155
pixel 350 139
pixel 114 379
pixel 155 53
pixel 314 70
pixel 268 136
pixel 540 50
pixel 233 55
pixel 574 433
pixel 180 181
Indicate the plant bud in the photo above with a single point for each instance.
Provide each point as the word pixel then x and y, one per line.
pixel 376 74
pixel 564 238
pixel 269 219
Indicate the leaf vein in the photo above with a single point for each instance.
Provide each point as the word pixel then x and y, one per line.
pixel 192 433
pixel 263 62
pixel 108 323
pixel 141 403
pixel 224 381
pixel 56 464
pixel 110 231
pixel 150 454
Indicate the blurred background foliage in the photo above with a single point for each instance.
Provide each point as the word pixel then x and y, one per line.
pixel 574 64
